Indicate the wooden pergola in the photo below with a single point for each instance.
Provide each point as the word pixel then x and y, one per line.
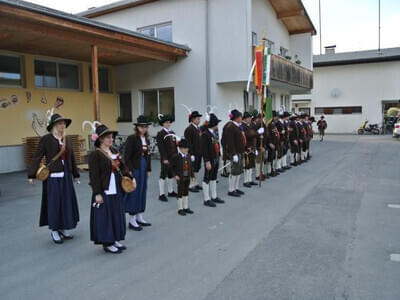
pixel 34 29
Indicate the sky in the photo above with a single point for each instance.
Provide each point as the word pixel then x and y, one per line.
pixel 351 25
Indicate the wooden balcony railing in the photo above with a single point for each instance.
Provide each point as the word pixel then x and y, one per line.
pixel 285 71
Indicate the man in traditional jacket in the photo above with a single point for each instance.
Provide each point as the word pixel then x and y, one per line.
pixel 192 135
pixel 166 143
pixel 234 143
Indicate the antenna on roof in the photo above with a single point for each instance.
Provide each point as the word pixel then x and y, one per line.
pixel 379 25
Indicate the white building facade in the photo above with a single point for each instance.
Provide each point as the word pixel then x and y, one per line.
pixel 350 88
pixel 221 35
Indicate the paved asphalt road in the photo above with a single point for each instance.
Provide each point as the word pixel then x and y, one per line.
pixel 323 230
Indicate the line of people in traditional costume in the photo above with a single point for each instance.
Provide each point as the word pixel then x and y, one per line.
pixel 250 146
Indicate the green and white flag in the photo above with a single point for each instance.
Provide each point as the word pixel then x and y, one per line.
pixel 267 66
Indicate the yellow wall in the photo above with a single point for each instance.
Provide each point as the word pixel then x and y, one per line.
pixel 16 120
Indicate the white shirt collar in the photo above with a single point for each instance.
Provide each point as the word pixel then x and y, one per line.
pixel 195 126
pixel 181 153
pixel 166 129
pixel 236 123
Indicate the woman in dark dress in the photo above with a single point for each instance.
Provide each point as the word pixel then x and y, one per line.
pixel 107 215
pixel 59 209
pixel 138 159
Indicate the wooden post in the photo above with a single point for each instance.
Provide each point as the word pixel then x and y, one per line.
pixel 95 83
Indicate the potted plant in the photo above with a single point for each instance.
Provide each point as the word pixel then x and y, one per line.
pixel 298 62
pixel 288 57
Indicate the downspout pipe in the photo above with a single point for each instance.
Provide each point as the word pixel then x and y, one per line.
pixel 207 54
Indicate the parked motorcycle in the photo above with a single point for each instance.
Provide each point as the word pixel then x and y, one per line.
pixel 371 128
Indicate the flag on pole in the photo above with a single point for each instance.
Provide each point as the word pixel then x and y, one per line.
pixel 258 72
pixel 267 66
pixel 266 82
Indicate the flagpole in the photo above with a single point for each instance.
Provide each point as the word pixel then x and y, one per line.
pixel 263 91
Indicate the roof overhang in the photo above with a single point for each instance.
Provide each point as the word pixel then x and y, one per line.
pixel 294 16
pixel 354 61
pixel 30 28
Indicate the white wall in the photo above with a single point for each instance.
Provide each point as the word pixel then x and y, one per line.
pixel 363 85
pixel 264 21
pixel 187 76
pixel 12 159
pixel 230 40
pixel 301 44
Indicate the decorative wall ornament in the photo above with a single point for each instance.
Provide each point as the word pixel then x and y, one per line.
pixel 43 99
pixel 59 102
pixel 38 125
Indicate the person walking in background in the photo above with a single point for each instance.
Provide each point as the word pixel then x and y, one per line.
pixel 322 125
pixel 137 158
pixel 59 209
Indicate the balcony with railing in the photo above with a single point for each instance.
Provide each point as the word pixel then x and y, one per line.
pixel 290 73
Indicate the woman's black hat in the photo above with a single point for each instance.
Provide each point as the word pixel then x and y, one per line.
pixel 102 130
pixel 57 118
pixel 142 121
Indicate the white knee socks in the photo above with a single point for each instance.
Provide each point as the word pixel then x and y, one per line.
pixel 206 191
pixel 139 217
pixel 257 169
pixel 269 168
pixel 170 185
pixel 185 202
pixel 132 220
pixel 232 181
pixel 180 203
pixel 161 184
pixel 213 188
pixel 237 181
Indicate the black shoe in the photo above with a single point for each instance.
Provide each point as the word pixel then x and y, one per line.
pixel 143 224
pixel 181 212
pixel 60 241
pixel 193 190
pixel 163 198
pixel 294 164
pixel 253 183
pixel 209 203
pixel 173 194
pixel 287 168
pixel 218 200
pixel 189 211
pixel 233 194
pixel 135 228
pixel 281 170
pixel 247 184
pixel 123 247
pixel 112 252
pixel 65 237
pixel 239 192
pixel 198 187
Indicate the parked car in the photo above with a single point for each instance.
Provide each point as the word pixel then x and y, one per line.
pixel 396 130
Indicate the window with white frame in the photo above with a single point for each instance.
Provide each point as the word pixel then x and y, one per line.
pixel 11 70
pixel 159 101
pixel 50 74
pixel 161 31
